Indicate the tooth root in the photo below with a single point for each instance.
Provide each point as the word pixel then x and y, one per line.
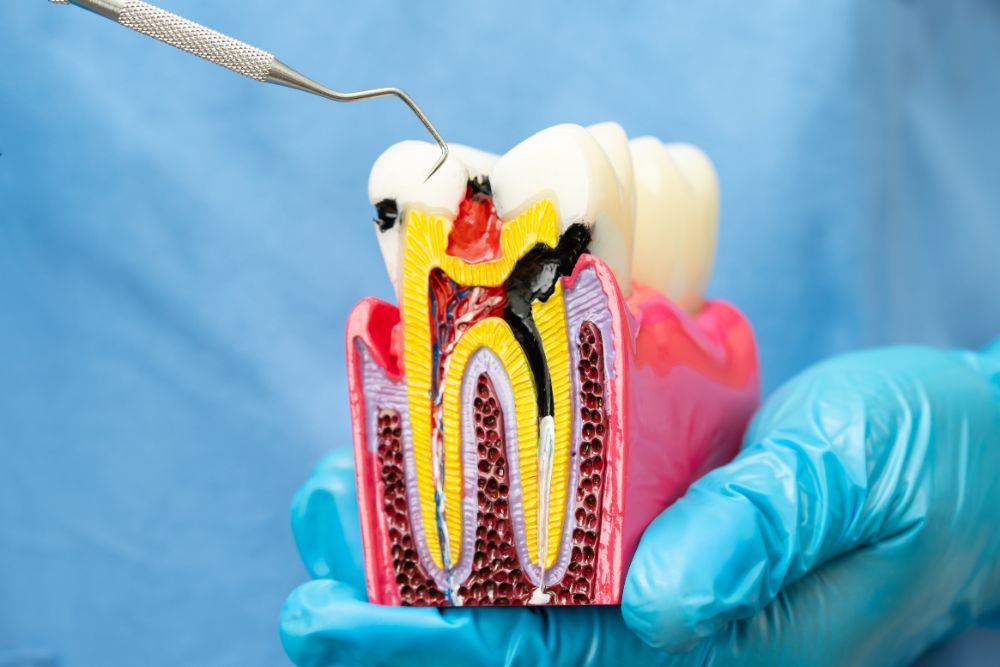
pixel 398 177
pixel 676 218
pixel 568 164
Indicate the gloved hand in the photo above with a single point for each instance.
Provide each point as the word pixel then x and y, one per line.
pixel 859 524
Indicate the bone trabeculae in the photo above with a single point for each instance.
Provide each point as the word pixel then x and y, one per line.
pixel 577 585
pixel 496 577
pixel 415 587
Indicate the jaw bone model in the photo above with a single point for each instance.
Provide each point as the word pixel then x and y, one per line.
pixel 552 378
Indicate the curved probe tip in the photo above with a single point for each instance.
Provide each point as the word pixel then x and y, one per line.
pixel 440 161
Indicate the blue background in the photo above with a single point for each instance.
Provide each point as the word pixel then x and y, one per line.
pixel 179 248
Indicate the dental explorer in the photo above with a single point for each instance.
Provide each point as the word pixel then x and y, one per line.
pixel 235 55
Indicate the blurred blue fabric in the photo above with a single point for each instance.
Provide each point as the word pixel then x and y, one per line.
pixel 179 248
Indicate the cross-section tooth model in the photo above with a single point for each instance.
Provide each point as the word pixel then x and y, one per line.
pixel 552 378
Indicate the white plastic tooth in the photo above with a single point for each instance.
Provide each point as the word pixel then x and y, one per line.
pixel 478 163
pixel 568 164
pixel 399 175
pixel 614 141
pixel 676 219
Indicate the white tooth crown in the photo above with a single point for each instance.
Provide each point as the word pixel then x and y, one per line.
pixel 652 208
pixel 567 164
pixel 676 219
pixel 399 175
pixel 478 163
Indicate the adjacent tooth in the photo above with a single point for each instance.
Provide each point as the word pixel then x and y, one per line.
pixel 396 184
pixel 614 141
pixel 676 219
pixel 568 164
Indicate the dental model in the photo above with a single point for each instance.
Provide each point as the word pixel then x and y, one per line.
pixel 552 378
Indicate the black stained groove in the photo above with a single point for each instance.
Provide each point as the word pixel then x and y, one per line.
pixel 386 214
pixel 534 279
pixel 480 185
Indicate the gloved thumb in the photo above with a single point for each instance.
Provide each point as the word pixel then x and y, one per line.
pixel 325 521
pixel 857 508
pixel 740 534
pixel 790 500
pixel 854 453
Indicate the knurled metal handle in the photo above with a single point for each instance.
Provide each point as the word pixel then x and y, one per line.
pixel 196 39
pixel 235 55
pixel 183 34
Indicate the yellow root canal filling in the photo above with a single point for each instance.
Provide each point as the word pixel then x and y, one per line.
pixel 425 250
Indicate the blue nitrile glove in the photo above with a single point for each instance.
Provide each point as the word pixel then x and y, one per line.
pixel 858 526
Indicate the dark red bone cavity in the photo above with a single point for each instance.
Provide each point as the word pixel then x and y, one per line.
pixel 496 577
pixel 415 587
pixel 577 586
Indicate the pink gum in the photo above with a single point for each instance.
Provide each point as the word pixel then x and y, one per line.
pixel 686 387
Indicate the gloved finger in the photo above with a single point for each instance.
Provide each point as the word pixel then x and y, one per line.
pixel 330 623
pixel 874 606
pixel 726 548
pixel 792 499
pixel 848 454
pixel 325 521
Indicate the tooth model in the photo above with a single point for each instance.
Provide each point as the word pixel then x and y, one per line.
pixel 552 378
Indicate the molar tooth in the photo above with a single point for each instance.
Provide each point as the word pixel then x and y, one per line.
pixel 568 164
pixel 676 219
pixel 397 183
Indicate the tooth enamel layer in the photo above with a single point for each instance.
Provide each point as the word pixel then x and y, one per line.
pixel 442 484
pixel 569 165
pixel 396 177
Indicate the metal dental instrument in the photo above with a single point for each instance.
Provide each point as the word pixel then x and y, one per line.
pixel 235 55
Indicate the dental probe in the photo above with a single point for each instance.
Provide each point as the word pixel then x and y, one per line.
pixel 235 55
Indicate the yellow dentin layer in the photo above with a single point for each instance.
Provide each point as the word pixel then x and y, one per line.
pixel 550 318
pixel 495 334
pixel 426 240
